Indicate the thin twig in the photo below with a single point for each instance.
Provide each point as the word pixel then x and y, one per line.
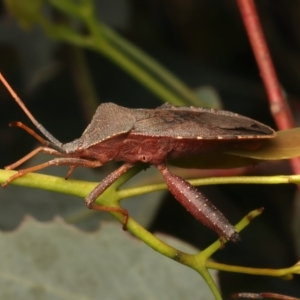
pixel 278 105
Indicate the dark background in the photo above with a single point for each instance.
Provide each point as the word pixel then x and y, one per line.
pixel 203 43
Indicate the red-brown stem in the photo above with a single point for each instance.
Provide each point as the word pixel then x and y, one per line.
pixel 278 105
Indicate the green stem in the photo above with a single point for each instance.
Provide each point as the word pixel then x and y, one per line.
pixel 144 69
pixel 64 186
pixel 111 197
pixel 279 179
pixel 285 273
pixel 209 251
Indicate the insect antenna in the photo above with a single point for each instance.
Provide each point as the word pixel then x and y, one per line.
pixel 53 142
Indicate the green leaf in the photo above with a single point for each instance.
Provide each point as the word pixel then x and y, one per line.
pixel 57 261
pixel 285 145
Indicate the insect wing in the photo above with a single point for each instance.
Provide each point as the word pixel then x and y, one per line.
pixel 195 123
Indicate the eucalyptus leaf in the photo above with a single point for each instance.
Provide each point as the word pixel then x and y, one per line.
pixel 285 145
pixel 57 261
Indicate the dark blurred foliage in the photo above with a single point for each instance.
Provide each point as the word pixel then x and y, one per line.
pixel 204 43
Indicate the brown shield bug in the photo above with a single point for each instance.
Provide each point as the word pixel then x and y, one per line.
pixel 150 136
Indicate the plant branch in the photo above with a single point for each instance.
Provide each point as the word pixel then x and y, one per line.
pixel 279 179
pixel 278 104
pixel 285 273
pixel 127 56
pixel 112 196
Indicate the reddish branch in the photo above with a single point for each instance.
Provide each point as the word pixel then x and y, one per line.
pixel 278 105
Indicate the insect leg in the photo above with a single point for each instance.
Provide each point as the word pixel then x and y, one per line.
pixel 30 131
pixel 198 205
pixel 102 186
pixel 54 162
pixel 31 154
pixel 262 296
